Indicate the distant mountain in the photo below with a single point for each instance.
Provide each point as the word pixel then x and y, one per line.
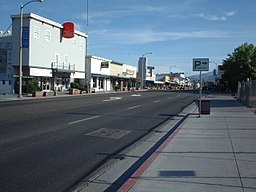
pixel 207 77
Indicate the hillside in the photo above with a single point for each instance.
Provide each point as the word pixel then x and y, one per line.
pixel 207 77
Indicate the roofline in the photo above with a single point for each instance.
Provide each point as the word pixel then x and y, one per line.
pixel 99 58
pixel 47 21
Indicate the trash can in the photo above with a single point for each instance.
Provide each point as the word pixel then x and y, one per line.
pixel 205 106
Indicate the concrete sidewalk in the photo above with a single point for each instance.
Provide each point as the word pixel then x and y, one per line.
pixel 8 97
pixel 215 152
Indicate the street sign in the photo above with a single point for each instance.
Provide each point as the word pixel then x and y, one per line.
pixel 201 64
pixel 104 64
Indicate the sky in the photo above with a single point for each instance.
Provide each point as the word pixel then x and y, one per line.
pixel 174 31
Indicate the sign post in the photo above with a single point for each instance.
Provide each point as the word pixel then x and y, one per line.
pixel 200 64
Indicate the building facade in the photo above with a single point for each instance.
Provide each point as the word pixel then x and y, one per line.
pixel 5 62
pixel 108 75
pixel 98 73
pixel 48 57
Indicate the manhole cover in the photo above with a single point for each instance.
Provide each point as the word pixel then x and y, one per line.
pixel 109 133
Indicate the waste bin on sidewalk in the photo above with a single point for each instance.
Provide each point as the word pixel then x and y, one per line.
pixel 205 106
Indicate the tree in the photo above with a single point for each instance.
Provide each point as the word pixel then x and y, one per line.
pixel 240 65
pixel 30 86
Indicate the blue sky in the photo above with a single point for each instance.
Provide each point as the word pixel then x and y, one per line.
pixel 175 31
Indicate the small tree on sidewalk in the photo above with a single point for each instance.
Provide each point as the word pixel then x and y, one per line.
pixel 239 66
pixel 30 86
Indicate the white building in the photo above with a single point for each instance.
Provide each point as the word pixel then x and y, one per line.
pixel 48 57
pixel 108 75
pixel 98 73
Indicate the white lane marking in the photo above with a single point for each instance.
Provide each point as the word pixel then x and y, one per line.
pixel 178 95
pixel 134 107
pixel 81 120
pixel 156 101
pixel 170 98
pixel 112 99
pixel 136 95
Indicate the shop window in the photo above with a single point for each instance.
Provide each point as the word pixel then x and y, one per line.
pixel 94 82
pixel 101 83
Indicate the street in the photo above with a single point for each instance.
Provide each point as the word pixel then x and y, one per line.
pixel 50 144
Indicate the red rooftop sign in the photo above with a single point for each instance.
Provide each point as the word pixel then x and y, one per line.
pixel 68 30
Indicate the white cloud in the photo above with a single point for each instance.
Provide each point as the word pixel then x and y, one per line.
pixel 215 17
pixel 232 13
pixel 149 36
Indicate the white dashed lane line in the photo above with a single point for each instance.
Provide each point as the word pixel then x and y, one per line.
pixel 134 107
pixel 82 120
pixel 112 99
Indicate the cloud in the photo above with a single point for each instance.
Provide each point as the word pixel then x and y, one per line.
pixel 150 36
pixel 215 17
pixel 232 13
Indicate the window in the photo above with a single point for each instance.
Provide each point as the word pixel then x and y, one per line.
pixel 36 32
pixel 48 35
pixel 94 82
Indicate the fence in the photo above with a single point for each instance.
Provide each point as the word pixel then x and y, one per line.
pixel 246 93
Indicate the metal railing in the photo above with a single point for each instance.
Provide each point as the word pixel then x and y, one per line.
pixel 62 67
pixel 246 93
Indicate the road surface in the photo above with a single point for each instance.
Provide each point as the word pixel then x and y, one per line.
pixel 50 144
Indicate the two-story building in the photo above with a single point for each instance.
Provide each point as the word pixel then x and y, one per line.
pixel 50 56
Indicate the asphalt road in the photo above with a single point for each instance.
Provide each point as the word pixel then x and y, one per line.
pixel 50 144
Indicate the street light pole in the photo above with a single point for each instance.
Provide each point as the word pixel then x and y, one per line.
pixel 171 69
pixel 20 55
pixel 216 70
pixel 142 69
pixel 87 73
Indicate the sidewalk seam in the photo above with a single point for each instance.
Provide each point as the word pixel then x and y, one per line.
pixel 145 160
pixel 234 154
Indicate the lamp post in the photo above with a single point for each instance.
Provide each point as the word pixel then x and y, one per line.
pixel 20 56
pixel 87 73
pixel 215 71
pixel 171 69
pixel 142 68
